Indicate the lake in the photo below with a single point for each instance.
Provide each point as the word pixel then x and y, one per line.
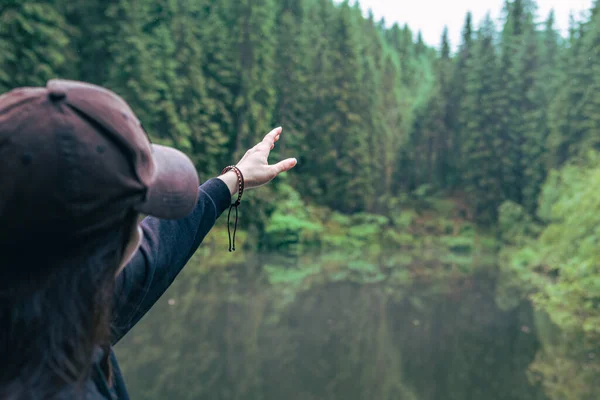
pixel 231 333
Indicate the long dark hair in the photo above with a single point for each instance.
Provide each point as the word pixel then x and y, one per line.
pixel 55 312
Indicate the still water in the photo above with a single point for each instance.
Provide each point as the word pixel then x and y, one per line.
pixel 227 333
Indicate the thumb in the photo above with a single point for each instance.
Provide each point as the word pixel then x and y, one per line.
pixel 284 165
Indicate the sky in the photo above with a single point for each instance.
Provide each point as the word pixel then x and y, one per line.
pixel 430 16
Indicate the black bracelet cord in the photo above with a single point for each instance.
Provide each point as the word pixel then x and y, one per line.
pixel 235 205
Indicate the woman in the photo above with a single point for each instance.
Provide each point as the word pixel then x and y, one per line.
pixel 77 272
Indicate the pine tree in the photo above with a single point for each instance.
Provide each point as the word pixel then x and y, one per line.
pixel 573 119
pixel 536 121
pixel 401 40
pixel 443 127
pixel 316 166
pixel 480 141
pixel 144 68
pixel 420 47
pixel 338 138
pixel 131 72
pixel 34 44
pixel 350 191
pixel 94 34
pixel 378 139
pixel 590 111
pixel 252 26
pixel 292 76
pixel 167 125
pixel 458 120
pixel 220 70
pixel 391 122
pixel 517 72
pixel 205 135
pixel 432 128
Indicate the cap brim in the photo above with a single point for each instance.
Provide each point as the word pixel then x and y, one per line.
pixel 173 193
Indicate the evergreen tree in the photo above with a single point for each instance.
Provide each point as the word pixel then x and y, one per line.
pixel 378 139
pixel 537 127
pixel 517 74
pixel 401 40
pixel 348 153
pixel 167 126
pixel 131 72
pixel 220 70
pixel 199 128
pixel 292 76
pixel 443 117
pixel 456 102
pixel 573 118
pixel 482 174
pixel 316 164
pixel 94 34
pixel 254 43
pixel 420 47
pixel 430 136
pixel 391 122
pixel 590 111
pixel 34 44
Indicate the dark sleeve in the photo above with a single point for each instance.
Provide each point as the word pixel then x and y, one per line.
pixel 165 249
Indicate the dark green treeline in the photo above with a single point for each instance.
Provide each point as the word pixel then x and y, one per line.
pixel 370 110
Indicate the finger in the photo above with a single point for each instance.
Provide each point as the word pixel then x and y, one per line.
pixel 270 137
pixel 268 142
pixel 284 165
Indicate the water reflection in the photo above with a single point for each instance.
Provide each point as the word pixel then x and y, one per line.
pixel 228 333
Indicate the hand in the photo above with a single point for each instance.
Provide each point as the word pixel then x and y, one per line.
pixel 255 167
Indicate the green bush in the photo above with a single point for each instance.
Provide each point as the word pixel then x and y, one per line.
pixel 458 244
pixel 561 266
pixel 404 219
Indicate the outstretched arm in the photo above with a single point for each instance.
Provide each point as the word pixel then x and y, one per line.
pixel 166 246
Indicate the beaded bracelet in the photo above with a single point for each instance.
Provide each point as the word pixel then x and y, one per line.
pixel 235 205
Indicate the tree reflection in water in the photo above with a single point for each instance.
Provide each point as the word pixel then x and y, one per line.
pixel 230 334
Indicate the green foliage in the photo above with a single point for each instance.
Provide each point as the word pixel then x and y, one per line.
pixel 34 43
pixel 404 218
pixel 388 115
pixel 515 223
pixel 414 165
pixel 573 114
pixel 480 103
pixel 567 365
pixel 557 268
pixel 287 276
pixel 569 249
pixel 458 244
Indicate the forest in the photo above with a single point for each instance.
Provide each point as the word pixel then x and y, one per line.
pixel 415 163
